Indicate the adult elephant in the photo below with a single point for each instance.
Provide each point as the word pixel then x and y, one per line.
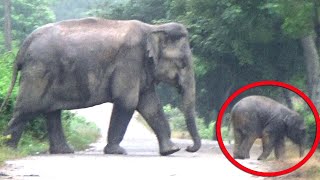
pixel 81 63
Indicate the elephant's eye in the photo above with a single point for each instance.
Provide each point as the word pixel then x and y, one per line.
pixel 180 64
pixel 176 38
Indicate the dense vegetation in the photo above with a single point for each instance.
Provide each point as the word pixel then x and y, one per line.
pixel 233 42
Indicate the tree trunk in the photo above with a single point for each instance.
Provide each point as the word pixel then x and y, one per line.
pixel 316 22
pixel 313 68
pixel 287 98
pixel 7 24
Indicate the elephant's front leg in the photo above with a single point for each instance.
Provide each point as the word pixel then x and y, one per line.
pixel 150 108
pixel 279 149
pixel 247 145
pixel 120 119
pixel 268 141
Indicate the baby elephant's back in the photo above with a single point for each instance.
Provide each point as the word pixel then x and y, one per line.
pixel 254 110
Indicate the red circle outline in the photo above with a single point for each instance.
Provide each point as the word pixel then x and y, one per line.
pixel 267 83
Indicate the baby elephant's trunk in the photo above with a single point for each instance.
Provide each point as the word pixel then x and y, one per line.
pixel 301 150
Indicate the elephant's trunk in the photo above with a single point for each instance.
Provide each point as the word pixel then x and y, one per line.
pixel 303 144
pixel 188 102
pixel 301 150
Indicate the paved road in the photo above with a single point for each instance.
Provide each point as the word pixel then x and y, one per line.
pixel 142 161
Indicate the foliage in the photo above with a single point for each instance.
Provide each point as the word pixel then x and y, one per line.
pixel 28 15
pixel 72 9
pixel 79 133
pixel 6 61
pixel 309 119
pixel 7 153
pixel 178 124
pixel 144 10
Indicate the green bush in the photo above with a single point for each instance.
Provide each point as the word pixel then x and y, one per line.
pixel 309 119
pixel 175 118
pixel 178 124
pixel 78 131
pixel 311 128
pixel 205 131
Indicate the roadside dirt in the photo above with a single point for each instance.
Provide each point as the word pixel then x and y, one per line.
pixel 142 161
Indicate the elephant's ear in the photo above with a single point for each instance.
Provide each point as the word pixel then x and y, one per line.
pixel 302 126
pixel 153 46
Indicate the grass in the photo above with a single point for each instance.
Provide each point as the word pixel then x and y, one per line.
pixel 7 153
pixel 27 146
pixel 83 134
pixel 79 133
pixel 310 170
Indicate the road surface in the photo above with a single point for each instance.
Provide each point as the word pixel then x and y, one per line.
pixel 142 161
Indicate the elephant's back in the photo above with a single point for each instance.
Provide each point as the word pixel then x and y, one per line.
pixel 253 109
pixel 257 103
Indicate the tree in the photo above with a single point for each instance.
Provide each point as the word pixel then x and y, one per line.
pixel 313 68
pixel 7 24
pixel 301 21
pixel 26 16
pixel 143 10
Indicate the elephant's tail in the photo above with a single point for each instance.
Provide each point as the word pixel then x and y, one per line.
pixel 17 67
pixel 13 81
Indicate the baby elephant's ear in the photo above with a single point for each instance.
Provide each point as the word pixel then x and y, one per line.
pixel 302 126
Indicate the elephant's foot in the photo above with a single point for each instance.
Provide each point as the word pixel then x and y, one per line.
pixel 12 143
pixel 168 149
pixel 114 149
pixel 61 149
pixel 262 157
pixel 13 140
pixel 239 156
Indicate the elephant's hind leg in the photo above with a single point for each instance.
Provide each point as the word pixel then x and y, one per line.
pixel 120 119
pixel 238 139
pixel 16 126
pixel 57 140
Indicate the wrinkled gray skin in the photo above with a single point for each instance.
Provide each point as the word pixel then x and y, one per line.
pixel 80 63
pixel 261 117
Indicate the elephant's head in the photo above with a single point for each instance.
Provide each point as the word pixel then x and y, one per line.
pixel 169 49
pixel 297 132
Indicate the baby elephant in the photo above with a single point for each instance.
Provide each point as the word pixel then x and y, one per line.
pixel 261 117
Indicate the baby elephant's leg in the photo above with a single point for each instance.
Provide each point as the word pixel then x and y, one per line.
pixel 248 144
pixel 238 139
pixel 268 141
pixel 279 149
